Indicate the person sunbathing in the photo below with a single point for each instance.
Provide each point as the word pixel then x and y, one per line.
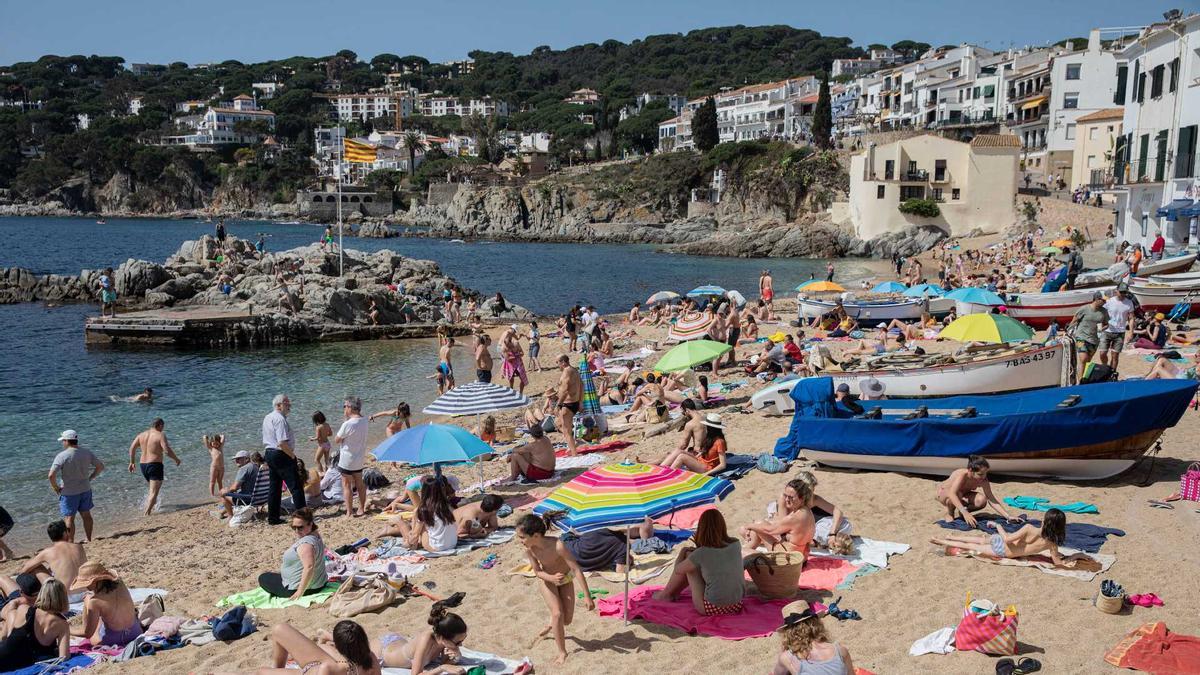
pixel 795 526
pixel 478 520
pixel 1027 541
pixel 830 520
pixel 433 650
pixel 1165 369
pixel 347 651
pixel 968 490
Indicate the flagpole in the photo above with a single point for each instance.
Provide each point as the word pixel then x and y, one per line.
pixel 338 173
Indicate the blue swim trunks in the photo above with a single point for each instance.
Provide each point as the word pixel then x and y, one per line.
pixel 69 505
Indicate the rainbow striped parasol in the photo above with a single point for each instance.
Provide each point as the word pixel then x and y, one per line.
pixel 623 494
pixel 691 326
pixel 590 403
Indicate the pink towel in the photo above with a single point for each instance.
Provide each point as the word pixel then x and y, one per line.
pixel 684 518
pixel 760 618
pixel 610 446
pixel 823 573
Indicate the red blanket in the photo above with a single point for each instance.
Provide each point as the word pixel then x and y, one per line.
pixel 610 446
pixel 1154 649
pixel 760 618
pixel 684 518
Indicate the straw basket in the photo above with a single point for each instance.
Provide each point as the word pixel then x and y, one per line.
pixel 775 574
pixel 1109 605
pixel 506 434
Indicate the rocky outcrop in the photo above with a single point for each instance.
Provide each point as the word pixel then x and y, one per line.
pixel 373 229
pixel 771 240
pixel 908 242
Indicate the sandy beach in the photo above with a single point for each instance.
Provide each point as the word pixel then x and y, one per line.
pixel 199 559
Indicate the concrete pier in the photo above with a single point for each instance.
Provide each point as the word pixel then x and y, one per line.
pixel 215 327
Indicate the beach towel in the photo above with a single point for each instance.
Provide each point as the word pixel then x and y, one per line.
pixel 610 446
pixel 867 552
pixel 1043 504
pixel 76 661
pixel 684 518
pixel 139 595
pixel 631 356
pixel 492 664
pixel 848 583
pixel 1084 570
pixel 940 641
pixel 1155 649
pixel 1082 536
pixel 737 466
pixel 825 573
pixel 615 409
pixel 760 618
pixel 394 546
pixel 260 599
pixel 579 462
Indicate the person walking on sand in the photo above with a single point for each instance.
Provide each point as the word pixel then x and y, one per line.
pixel 514 358
pixel 483 358
pixel 558 571
pixel 279 447
pixel 77 467
pixel 153 444
pixel 570 395
pixel 352 437
pixel 766 287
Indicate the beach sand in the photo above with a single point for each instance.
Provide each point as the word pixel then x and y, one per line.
pixel 199 559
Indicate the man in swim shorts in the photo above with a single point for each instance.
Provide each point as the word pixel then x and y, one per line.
pixel 76 467
pixel 153 444
pixel 535 459
pixel 445 372
pixel 766 287
pixel 570 394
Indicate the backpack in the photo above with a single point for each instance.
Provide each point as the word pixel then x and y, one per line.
pixel 375 480
pixel 1098 372
pixel 234 625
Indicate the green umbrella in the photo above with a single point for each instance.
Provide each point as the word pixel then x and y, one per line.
pixel 689 354
pixel 1051 249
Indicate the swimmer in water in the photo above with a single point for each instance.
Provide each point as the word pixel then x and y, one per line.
pixel 147 396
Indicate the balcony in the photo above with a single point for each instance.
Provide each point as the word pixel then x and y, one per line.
pixel 920 176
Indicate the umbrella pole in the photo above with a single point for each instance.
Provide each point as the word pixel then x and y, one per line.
pixel 628 563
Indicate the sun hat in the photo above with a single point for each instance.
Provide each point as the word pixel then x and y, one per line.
pixel 1160 316
pixel 871 387
pixel 242 454
pixel 713 420
pixel 29 584
pixel 69 435
pixel 844 388
pixel 90 573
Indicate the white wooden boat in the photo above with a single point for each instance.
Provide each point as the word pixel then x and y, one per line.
pixel 1179 263
pixel 866 312
pixel 942 306
pixel 1155 296
pixel 1039 309
pixel 1168 278
pixel 983 370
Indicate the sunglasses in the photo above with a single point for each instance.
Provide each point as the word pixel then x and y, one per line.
pixel 299 528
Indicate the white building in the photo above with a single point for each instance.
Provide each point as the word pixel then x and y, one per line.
pixel 369 106
pixel 266 90
pixel 223 125
pixel 1156 166
pixel 1081 82
pixel 853 66
pixel 187 107
pixel 762 110
pixel 83 121
pixel 440 105
pixel 675 102
pixel 135 105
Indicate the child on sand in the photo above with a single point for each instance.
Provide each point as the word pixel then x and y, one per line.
pixel 968 490
pixel 554 565
pixel 215 444
pixel 440 644
pixel 1027 541
pixel 321 433
pixel 807 648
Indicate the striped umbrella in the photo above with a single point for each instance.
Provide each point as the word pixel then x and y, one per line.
pixel 706 290
pixel 616 495
pixel 662 296
pixel 590 405
pixel 690 326
pixel 476 398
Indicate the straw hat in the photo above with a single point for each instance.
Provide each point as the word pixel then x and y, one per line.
pixel 871 387
pixel 713 420
pixel 90 573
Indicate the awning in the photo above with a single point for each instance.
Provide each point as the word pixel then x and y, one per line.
pixel 1192 211
pixel 1174 210
pixel 1037 102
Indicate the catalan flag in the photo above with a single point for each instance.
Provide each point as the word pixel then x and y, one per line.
pixel 358 152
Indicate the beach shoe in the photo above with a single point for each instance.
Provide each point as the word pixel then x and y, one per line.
pixel 1160 504
pixel 1027 665
pixel 1005 666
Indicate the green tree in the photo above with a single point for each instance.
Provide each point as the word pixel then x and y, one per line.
pixel 486 133
pixel 822 124
pixel 704 126
pixel 413 142
pixel 640 132
pixel 925 208
pixel 911 48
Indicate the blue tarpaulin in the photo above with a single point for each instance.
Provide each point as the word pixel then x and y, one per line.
pixel 1006 423
pixel 1173 210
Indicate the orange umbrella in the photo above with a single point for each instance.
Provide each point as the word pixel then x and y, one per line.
pixel 1062 242
pixel 824 287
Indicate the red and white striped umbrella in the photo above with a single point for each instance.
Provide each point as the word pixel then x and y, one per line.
pixel 691 326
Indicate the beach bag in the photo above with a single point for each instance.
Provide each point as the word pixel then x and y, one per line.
pixel 1098 372
pixel 768 463
pixel 151 609
pixel 242 515
pixel 1189 483
pixel 360 594
pixel 374 480
pixel 985 629
pixel 775 574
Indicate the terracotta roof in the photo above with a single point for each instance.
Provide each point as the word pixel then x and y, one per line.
pixel 996 141
pixel 242 97
pixel 1107 114
pixel 243 112
pixel 811 98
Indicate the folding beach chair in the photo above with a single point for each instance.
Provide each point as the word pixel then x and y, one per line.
pixel 1182 311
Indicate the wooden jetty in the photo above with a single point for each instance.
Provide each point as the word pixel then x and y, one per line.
pixel 208 327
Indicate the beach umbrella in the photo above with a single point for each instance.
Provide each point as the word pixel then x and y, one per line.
pixel 476 398
pixel 616 495
pixel 690 326
pixel 924 289
pixel 662 296
pixel 1051 249
pixel 778 337
pixel 703 291
pixel 1062 242
pixel 821 287
pixel 737 298
pixel 890 287
pixel 590 403
pixel 975 296
pixel 987 328
pixel 689 354
pixel 806 284
pixel 434 444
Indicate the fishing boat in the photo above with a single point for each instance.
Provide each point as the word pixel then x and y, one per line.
pixel 1038 310
pixel 1152 295
pixel 1085 432
pixel 1175 264
pixel 980 370
pixel 866 312
pixel 1169 278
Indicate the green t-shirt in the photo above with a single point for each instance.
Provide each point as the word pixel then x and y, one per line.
pixel 1086 321
pixel 721 569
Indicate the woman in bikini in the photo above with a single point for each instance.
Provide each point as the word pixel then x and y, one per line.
pixel 400 418
pixel 433 651
pixel 216 471
pixel 710 460
pixel 321 433
pixel 347 651
pixel 1027 541
pixel 557 570
pixel 109 615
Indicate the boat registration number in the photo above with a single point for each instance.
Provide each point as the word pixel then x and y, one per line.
pixel 1029 358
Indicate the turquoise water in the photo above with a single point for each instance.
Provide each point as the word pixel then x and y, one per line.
pixel 50 382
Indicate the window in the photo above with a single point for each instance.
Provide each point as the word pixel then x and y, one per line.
pixel 1143 153
pixel 1071 100
pixel 880 191
pixel 1091 161
pixel 1073 71
pixel 1185 153
pixel 1092 133
pixel 939 170
pixel 912 166
pixel 937 194
pixel 955 194
pixel 1173 80
pixel 975 92
pixel 1070 131
pixel 1160 160
pixel 1156 81
pixel 889 169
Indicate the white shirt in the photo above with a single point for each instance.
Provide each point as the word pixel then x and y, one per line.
pixel 353 453
pixel 1118 314
pixel 331 485
pixel 276 430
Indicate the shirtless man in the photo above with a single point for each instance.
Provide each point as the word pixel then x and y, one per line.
pixel 766 289
pixel 968 490
pixel 535 459
pixel 478 520
pixel 153 444
pixel 570 395
pixel 483 358
pixel 718 331
pixel 61 559
pixel 693 433
pixel 795 526
pixel 635 314
pixel 147 396
pixel 733 333
pixel 445 371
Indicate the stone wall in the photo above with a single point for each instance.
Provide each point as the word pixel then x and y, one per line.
pixel 441 193
pixel 1055 213
pixel 322 204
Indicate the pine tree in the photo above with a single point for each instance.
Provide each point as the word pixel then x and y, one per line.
pixel 822 124
pixel 704 126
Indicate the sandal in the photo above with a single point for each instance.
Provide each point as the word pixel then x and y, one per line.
pixel 1005 666
pixel 1159 504
pixel 1027 665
